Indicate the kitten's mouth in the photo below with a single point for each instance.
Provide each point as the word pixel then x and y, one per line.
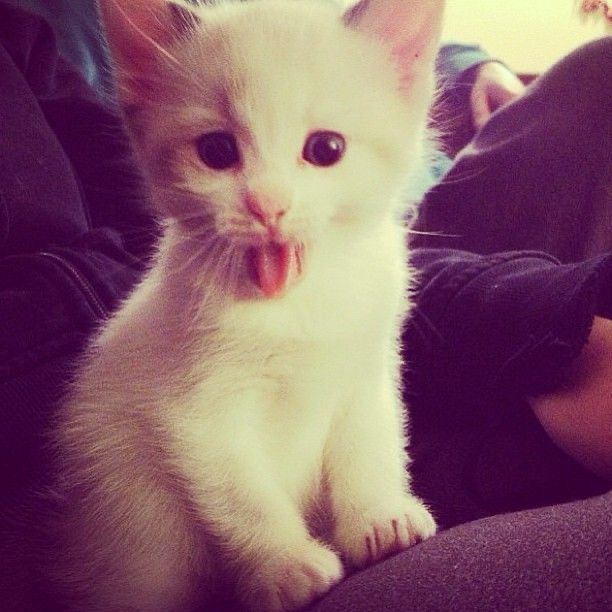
pixel 275 266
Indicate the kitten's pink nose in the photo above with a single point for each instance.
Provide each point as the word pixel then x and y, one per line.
pixel 267 209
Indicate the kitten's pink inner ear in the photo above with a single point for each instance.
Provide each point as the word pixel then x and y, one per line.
pixel 137 30
pixel 409 28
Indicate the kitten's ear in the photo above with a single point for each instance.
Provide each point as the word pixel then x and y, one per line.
pixel 140 31
pixel 409 28
pixel 184 18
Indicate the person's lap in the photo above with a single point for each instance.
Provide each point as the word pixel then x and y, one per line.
pixel 553 558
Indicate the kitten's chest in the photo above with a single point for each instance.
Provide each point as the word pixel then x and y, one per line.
pixel 308 391
pixel 296 379
pixel 280 402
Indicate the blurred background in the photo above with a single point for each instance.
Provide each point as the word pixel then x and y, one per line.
pixel 529 35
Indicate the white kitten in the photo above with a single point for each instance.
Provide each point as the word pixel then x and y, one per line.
pixel 252 378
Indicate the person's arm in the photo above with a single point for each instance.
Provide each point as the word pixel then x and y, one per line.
pixel 469 73
pixel 472 86
pixel 509 324
pixel 494 86
pixel 578 414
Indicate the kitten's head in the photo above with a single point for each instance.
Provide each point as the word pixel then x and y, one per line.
pixel 275 125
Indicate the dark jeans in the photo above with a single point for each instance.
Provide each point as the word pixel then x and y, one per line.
pixel 71 215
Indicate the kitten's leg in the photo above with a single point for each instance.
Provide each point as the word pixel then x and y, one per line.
pixel 126 545
pixel 374 512
pixel 255 520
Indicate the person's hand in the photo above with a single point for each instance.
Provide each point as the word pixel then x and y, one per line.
pixel 589 6
pixel 494 86
pixel 578 416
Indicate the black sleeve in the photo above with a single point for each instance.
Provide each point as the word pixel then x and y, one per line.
pixel 75 232
pixel 67 147
pixel 78 34
pixel 498 325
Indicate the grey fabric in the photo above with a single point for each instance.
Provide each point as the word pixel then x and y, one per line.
pixel 557 558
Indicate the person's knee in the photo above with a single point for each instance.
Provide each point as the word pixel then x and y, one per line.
pixel 597 52
pixel 595 60
pixel 582 78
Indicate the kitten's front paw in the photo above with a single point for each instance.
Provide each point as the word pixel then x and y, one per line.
pixel 292 580
pixel 379 532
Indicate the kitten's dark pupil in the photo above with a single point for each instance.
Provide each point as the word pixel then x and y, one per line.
pixel 324 148
pixel 218 150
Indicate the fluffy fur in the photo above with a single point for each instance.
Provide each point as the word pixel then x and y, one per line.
pixel 208 424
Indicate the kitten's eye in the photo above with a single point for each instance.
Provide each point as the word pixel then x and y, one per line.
pixel 218 150
pixel 324 148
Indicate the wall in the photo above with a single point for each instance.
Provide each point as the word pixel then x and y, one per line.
pixel 529 35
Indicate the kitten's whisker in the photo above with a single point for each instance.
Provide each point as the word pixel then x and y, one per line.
pixel 144 35
pixel 193 225
pixel 418 317
pixel 435 234
pixel 206 253
pixel 227 269
pixel 236 263
pixel 222 264
pixel 217 275
pixel 178 90
pixel 460 178
pixel 210 253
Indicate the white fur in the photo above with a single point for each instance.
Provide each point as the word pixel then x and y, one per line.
pixel 208 424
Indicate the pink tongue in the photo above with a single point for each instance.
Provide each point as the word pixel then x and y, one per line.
pixel 275 265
